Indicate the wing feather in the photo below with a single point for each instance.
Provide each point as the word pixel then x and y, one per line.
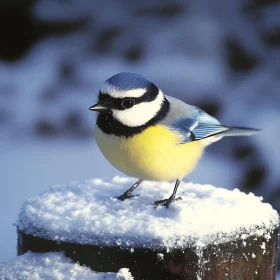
pixel 207 126
pixel 191 122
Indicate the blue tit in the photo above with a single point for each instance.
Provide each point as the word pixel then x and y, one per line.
pixel 152 136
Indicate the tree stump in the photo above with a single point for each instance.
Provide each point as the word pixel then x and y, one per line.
pixel 211 234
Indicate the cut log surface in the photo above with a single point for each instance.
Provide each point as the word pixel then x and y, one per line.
pixel 211 234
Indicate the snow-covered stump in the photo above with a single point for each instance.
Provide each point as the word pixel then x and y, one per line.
pixel 211 234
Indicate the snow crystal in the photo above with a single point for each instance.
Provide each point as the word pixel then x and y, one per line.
pixel 88 213
pixel 160 256
pixel 46 266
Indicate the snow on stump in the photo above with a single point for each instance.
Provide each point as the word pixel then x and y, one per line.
pixel 211 234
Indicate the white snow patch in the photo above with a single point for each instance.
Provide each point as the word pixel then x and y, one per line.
pixel 263 247
pixel 46 266
pixel 88 213
pixel 124 274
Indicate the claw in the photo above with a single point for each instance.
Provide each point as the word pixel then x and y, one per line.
pixel 166 202
pixel 125 196
pixel 128 193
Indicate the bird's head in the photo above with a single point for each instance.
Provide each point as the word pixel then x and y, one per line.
pixel 129 100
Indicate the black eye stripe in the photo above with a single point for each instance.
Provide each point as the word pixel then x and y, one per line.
pixel 109 125
pixel 116 103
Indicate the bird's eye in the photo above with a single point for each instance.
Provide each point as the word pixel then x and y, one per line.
pixel 128 103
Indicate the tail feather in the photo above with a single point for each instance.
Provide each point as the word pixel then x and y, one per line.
pixel 229 131
pixel 239 131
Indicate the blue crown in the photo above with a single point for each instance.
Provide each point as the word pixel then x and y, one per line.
pixel 127 81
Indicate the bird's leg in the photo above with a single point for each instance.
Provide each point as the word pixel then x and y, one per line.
pixel 171 199
pixel 128 193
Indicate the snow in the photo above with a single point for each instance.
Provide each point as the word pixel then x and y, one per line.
pixel 88 213
pixel 53 265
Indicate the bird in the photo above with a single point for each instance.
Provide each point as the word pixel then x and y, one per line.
pixel 152 136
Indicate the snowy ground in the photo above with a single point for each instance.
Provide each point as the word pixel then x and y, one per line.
pixel 55 266
pixel 31 266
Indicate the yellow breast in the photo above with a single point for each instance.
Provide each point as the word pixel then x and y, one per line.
pixel 154 154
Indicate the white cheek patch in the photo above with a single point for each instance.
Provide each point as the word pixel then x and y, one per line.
pixel 114 92
pixel 139 114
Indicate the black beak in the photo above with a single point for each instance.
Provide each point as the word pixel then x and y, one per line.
pixel 97 107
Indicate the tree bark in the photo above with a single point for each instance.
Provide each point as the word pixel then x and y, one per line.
pixel 254 258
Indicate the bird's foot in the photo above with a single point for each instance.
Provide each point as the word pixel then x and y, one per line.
pixel 166 202
pixel 125 195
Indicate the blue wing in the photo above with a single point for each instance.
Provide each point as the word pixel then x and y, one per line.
pixel 191 122
pixel 207 126
pixel 198 127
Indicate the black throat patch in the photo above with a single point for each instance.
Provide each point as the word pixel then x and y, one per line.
pixel 109 125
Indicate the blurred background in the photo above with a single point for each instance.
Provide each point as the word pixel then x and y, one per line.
pixel 223 56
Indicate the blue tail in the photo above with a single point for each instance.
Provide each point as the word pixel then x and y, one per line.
pixel 239 131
